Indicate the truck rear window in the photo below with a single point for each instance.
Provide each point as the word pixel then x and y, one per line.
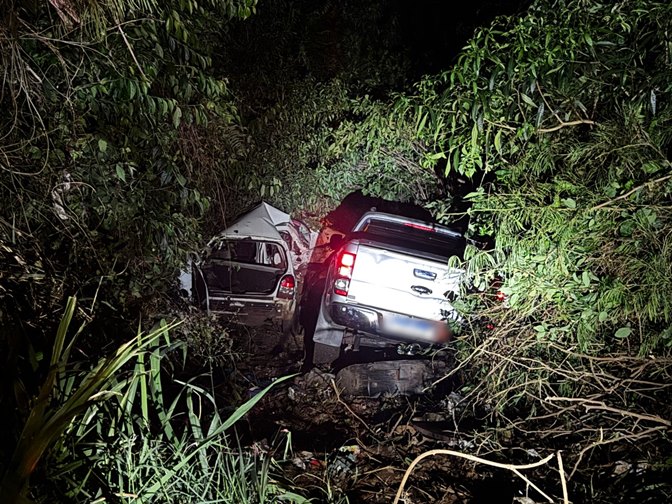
pixel 415 236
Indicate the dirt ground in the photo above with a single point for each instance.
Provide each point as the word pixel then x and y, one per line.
pixel 339 447
pixel 360 446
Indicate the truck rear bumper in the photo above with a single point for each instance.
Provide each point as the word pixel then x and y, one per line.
pixel 388 325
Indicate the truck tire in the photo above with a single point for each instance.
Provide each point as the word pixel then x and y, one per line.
pixel 325 354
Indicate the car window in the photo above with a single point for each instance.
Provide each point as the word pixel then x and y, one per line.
pixel 421 237
pixel 288 239
pixel 251 252
pixel 273 256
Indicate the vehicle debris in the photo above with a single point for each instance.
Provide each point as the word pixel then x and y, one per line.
pixel 403 377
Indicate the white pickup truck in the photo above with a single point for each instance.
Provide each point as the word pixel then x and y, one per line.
pixel 388 283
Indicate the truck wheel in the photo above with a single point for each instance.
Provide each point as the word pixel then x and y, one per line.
pixel 325 354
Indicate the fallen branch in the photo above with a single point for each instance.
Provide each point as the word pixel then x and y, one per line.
pixel 565 125
pixel 510 467
pixel 590 404
pixel 632 191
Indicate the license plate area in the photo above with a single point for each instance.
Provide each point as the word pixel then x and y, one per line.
pixel 409 327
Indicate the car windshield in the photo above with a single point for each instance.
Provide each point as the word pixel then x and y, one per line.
pixel 303 231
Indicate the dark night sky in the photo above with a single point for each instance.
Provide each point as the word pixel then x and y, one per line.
pixel 436 30
pixel 359 41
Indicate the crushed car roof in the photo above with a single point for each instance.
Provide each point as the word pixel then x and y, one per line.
pixel 261 222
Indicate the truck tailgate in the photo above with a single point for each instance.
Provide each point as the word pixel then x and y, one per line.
pixel 402 283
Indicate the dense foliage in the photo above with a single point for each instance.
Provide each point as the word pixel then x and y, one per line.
pixel 106 107
pixel 577 131
pixel 563 126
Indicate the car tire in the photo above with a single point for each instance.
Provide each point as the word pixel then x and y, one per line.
pixel 325 354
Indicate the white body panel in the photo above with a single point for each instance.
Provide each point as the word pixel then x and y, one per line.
pixel 402 283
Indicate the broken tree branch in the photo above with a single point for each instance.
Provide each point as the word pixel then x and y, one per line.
pixel 590 404
pixel 632 191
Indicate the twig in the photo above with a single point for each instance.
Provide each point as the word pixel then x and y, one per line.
pixel 480 349
pixel 564 125
pixel 563 481
pixel 473 458
pixel 527 480
pixel 614 439
pixel 546 130
pixel 590 404
pixel 130 49
pixel 632 191
pixel 543 97
pixel 338 398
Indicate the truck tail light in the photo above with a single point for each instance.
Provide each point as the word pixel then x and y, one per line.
pixel 346 262
pixel 287 286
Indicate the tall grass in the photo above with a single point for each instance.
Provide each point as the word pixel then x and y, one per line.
pixel 161 442
pixel 113 433
pixel 52 413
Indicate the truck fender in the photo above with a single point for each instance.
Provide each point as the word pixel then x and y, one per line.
pixel 325 333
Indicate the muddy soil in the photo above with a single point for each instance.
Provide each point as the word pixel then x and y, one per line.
pixel 358 446
pixel 336 447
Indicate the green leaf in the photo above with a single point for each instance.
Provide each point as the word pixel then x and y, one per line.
pixel 627 228
pixel 569 202
pixel 623 332
pixel 121 173
pixel 177 116
pixel 102 145
pixel 436 156
pixel 528 100
pixel 602 316
pixel 498 142
pixel 585 278
pixel 474 136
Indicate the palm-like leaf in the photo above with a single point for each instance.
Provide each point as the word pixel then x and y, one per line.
pixel 47 421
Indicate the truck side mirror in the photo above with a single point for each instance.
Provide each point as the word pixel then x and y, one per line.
pixel 335 241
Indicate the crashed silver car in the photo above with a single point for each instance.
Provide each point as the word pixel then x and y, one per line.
pixel 252 271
